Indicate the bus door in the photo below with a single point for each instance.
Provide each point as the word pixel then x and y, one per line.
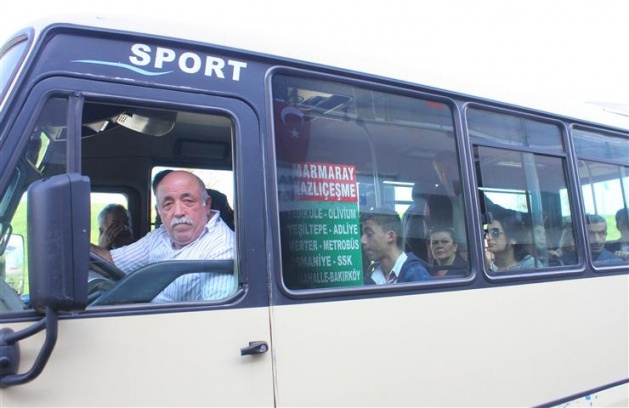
pixel 123 348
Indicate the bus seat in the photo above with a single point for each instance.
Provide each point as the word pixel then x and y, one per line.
pixel 220 203
pixel 414 226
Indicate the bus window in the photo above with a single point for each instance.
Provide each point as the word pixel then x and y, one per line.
pixel 44 155
pixel 596 145
pixel 202 143
pixel 10 58
pixel 343 151
pixel 507 129
pixel 117 151
pixel 523 193
pixel 605 189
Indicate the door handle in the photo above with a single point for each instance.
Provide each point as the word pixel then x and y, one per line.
pixel 254 347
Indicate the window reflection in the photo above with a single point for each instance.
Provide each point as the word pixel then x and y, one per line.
pixel 343 151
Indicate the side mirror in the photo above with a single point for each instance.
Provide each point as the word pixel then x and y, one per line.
pixel 58 217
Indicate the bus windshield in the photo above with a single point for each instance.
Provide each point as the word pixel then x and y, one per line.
pixel 10 57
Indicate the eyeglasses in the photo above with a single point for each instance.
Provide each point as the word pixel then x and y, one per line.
pixel 495 232
pixel 442 241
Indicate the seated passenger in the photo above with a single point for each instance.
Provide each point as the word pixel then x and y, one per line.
pixel 445 206
pixel 506 238
pixel 190 231
pixel 445 203
pixel 114 227
pixel 566 253
pixel 597 234
pixel 381 240
pixel 444 249
pixel 540 247
pixel 620 247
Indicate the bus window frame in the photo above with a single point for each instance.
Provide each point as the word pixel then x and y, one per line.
pixel 571 182
pixel 348 80
pixel 26 38
pixel 242 117
pixel 602 132
pixel 598 269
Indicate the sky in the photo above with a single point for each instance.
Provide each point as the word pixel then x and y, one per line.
pixel 548 52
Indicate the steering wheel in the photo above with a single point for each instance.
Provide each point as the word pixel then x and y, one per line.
pixel 105 268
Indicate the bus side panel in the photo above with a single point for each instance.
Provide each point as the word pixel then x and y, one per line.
pixel 175 359
pixel 510 346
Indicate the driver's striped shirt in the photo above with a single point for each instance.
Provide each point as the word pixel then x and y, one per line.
pixel 216 242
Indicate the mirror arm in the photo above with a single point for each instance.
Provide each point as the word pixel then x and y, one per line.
pixel 9 350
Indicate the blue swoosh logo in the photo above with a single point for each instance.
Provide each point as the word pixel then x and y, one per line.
pixel 125 66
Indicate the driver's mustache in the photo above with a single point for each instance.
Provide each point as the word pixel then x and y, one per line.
pixel 180 220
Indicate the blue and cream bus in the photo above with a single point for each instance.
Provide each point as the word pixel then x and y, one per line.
pixel 92 109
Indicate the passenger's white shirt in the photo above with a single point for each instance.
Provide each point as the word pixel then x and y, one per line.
pixel 378 274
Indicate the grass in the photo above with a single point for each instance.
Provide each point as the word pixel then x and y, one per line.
pixel 20 228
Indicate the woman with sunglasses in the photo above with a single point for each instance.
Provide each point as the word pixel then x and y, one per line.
pixel 507 243
pixel 445 252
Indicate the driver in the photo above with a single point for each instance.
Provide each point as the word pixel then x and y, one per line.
pixel 190 230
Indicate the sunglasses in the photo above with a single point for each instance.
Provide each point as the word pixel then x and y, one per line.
pixel 494 232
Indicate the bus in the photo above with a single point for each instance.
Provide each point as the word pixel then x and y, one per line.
pixel 91 109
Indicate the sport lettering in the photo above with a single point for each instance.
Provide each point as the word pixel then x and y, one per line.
pixel 187 62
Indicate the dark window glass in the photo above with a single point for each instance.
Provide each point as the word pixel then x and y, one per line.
pixel 513 130
pixel 599 146
pixel 524 197
pixel 528 219
pixel 345 153
pixel 605 189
